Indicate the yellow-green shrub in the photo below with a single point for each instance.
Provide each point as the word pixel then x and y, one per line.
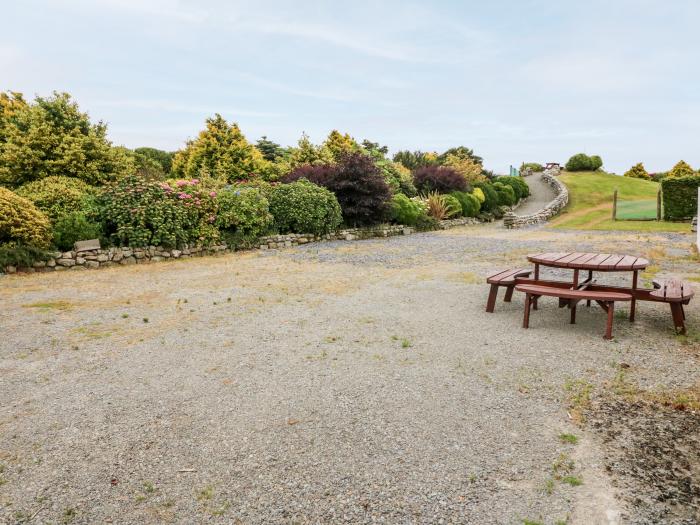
pixel 22 222
pixel 56 196
pixel 637 172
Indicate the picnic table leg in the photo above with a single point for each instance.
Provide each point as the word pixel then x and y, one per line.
pixel 509 294
pixel 633 304
pixel 608 326
pixel 572 303
pixel 537 277
pixel 677 314
pixel 491 302
pixel 526 315
pixel 590 279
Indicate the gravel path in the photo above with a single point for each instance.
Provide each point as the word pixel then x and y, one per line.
pixel 339 382
pixel 541 194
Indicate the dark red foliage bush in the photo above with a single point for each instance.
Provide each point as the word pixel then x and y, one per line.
pixel 439 178
pixel 317 174
pixel 358 184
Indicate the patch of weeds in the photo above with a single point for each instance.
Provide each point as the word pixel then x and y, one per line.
pixel 650 272
pixel 68 515
pixel 469 278
pixel 578 397
pixel 548 487
pixel 531 522
pixel 140 498
pixel 574 481
pixel 220 510
pixel 394 337
pixel 568 438
pixel 563 466
pixel 149 487
pixel 125 316
pixel 50 305
pixel 690 337
pixel 472 478
pixel 145 319
pixel 405 343
pixel 206 494
pixel 228 299
pixel 621 385
pixel 331 339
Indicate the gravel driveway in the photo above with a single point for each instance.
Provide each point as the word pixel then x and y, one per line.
pixel 340 382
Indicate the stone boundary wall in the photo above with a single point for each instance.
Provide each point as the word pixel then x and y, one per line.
pixel 511 220
pixel 103 258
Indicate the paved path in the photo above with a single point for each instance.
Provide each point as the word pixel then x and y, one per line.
pixel 541 194
pixel 331 383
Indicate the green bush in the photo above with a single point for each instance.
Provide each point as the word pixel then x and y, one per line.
pixel 74 227
pixel 56 196
pixel 534 166
pixel 16 254
pixel 304 207
pixel 138 212
pixel 491 201
pixel 453 206
pixel 682 169
pixel 582 162
pixel 637 172
pixel 506 195
pixel 470 204
pixel 21 222
pixel 243 215
pixel 406 211
pixel 518 184
pixel 680 196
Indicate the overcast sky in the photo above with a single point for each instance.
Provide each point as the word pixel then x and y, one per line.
pixel 515 80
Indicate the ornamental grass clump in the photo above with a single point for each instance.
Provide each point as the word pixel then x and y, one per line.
pixel 441 207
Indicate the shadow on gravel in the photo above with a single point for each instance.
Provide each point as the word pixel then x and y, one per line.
pixel 652 453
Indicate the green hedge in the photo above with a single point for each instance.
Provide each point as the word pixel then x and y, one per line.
pixel 680 195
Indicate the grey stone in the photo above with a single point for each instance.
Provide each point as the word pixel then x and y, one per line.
pixel 66 262
pixel 78 268
pixel 67 255
pixel 92 264
pixel 10 269
pixel 39 264
pixel 176 253
pixel 128 260
pixel 103 257
pixel 51 263
pixel 82 246
pixel 80 260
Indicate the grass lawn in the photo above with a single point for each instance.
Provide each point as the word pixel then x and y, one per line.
pixel 591 200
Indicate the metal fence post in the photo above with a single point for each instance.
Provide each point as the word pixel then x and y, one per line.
pixel 658 204
pixel 614 217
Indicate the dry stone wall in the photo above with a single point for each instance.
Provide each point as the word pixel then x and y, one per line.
pixel 88 255
pixel 511 220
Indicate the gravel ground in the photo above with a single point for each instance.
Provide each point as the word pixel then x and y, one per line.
pixel 339 382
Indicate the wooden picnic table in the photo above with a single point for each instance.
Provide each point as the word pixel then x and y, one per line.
pixel 591 262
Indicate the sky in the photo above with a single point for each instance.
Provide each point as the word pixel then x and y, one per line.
pixel 520 80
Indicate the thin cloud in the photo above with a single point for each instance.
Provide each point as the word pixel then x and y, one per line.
pixel 174 107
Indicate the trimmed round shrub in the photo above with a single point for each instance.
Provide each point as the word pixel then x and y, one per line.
pixel 453 206
pixel 582 162
pixel 406 211
pixel 243 215
pixel 439 178
pixel 470 204
pixel 518 184
pixel 479 194
pixel 56 196
pixel 491 201
pixel 682 169
pixel 304 207
pixel 22 222
pixel 74 227
pixel 506 195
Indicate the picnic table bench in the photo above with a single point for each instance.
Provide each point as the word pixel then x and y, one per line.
pixel 674 292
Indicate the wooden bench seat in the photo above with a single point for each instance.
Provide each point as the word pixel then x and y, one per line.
pixel 605 299
pixel 504 278
pixel 676 293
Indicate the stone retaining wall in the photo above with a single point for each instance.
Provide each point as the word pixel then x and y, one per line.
pixel 511 220
pixel 83 259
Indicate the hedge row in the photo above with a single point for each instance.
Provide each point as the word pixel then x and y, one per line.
pixel 680 197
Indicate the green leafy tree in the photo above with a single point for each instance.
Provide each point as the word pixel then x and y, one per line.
pixel 339 144
pixel 164 158
pixel 307 152
pixel 682 169
pixel 416 159
pixel 53 137
pixel 270 150
pixel 222 152
pixel 460 152
pixel 637 172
